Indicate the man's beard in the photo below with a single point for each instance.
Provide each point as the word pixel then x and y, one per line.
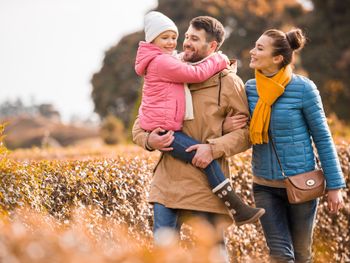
pixel 195 56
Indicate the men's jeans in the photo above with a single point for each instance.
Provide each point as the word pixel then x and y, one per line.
pixel 172 218
pixel 181 143
pixel 168 218
pixel 288 228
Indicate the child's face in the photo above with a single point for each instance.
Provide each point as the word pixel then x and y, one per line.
pixel 166 41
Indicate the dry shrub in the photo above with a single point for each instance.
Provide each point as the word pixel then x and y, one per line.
pixel 340 129
pixel 26 132
pixel 3 150
pixel 116 191
pixel 90 237
pixel 112 130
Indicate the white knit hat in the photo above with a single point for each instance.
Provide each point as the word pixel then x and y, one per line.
pixel 157 23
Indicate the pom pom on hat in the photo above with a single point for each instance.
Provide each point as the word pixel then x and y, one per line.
pixel 157 23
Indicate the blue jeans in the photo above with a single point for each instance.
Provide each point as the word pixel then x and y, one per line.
pixel 165 217
pixel 288 228
pixel 181 143
pixel 174 218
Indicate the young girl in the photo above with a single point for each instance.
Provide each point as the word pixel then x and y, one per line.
pixel 163 102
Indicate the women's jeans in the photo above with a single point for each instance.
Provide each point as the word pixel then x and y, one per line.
pixel 288 228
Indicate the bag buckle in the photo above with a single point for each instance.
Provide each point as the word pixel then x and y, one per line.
pixel 310 182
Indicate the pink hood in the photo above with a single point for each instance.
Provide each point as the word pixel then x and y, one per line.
pixel 145 54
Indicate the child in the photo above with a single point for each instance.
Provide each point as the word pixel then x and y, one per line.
pixel 164 102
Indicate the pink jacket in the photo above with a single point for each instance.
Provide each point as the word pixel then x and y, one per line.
pixel 163 96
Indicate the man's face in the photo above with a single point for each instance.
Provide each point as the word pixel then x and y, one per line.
pixel 195 45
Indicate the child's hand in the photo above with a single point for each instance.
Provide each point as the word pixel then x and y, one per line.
pixel 224 57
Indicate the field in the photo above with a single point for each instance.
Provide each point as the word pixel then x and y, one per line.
pixel 90 205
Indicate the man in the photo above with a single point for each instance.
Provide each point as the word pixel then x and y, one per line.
pixel 178 188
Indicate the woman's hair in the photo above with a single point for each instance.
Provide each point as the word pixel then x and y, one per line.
pixel 285 44
pixel 213 28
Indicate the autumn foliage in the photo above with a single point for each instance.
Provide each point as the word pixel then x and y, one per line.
pixel 94 209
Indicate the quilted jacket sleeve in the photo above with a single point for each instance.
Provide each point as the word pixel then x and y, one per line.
pixel 321 135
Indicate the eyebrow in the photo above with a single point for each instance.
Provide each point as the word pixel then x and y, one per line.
pixel 191 35
pixel 168 34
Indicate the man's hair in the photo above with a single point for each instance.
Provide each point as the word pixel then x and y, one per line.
pixel 213 28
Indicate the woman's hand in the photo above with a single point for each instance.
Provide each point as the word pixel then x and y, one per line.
pixel 335 200
pixel 235 122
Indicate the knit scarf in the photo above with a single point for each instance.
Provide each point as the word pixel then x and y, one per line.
pixel 269 89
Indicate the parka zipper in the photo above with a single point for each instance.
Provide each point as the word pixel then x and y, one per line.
pixel 219 96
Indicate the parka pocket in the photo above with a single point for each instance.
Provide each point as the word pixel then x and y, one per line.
pixel 294 155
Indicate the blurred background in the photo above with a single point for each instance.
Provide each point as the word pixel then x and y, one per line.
pixel 67 67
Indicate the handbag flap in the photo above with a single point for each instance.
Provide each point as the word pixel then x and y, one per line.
pixel 307 180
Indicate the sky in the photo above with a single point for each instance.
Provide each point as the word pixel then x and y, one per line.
pixel 49 49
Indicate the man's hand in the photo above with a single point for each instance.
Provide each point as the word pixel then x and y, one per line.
pixel 203 156
pixel 335 200
pixel 235 122
pixel 160 142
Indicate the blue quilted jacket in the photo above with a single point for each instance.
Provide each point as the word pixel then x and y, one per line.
pixel 297 116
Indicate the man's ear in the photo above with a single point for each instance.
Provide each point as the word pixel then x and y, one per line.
pixel 277 59
pixel 213 45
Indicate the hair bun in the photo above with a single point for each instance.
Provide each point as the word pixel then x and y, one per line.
pixel 296 39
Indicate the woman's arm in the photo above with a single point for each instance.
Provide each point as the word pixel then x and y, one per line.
pixel 317 123
pixel 234 122
pixel 316 120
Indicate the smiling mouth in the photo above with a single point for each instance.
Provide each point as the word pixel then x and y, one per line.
pixel 187 48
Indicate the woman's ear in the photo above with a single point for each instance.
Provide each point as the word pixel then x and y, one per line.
pixel 277 59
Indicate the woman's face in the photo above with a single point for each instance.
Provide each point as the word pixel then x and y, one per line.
pixel 261 56
pixel 166 41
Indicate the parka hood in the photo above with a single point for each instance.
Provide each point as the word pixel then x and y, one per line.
pixel 146 52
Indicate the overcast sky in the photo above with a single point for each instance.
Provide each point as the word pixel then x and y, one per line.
pixel 49 49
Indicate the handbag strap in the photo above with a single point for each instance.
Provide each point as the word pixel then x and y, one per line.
pixel 279 161
pixel 275 151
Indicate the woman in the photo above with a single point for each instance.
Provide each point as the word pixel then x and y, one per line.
pixel 289 106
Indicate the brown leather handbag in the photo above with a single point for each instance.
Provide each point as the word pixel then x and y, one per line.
pixel 302 187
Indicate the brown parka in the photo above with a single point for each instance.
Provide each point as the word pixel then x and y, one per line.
pixel 180 185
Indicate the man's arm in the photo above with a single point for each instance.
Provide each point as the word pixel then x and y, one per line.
pixel 236 141
pixel 233 142
pixel 152 140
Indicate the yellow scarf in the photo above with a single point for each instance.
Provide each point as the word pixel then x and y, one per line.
pixel 269 89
